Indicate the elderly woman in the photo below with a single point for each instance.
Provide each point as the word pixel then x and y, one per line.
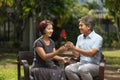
pixel 44 51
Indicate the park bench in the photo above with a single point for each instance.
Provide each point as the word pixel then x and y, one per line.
pixel 25 59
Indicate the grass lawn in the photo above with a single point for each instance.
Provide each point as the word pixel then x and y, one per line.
pixel 9 68
pixel 8 72
pixel 112 58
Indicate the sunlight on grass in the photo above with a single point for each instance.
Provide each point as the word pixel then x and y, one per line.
pixel 8 72
pixel 112 53
pixel 113 58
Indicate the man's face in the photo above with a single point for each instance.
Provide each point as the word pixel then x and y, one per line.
pixel 84 29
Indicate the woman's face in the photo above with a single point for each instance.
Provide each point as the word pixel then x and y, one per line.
pixel 84 29
pixel 48 30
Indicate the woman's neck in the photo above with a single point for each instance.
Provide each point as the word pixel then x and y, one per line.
pixel 45 39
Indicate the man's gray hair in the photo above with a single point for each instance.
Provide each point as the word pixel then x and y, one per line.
pixel 88 20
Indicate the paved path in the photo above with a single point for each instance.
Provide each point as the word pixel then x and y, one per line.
pixel 111 73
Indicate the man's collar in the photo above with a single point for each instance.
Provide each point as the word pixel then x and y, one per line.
pixel 90 35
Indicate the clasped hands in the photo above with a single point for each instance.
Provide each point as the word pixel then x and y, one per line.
pixel 66 47
pixel 69 45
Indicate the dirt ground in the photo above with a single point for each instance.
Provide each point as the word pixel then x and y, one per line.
pixel 111 73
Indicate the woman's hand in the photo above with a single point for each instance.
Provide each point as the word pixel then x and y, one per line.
pixel 66 59
pixel 69 45
pixel 62 49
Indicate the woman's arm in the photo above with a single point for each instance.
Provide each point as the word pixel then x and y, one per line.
pixel 45 56
pixel 64 59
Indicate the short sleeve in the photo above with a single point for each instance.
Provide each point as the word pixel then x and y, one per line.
pixel 37 43
pixel 98 44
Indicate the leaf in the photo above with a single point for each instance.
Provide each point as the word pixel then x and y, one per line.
pixel 26 9
pixel 9 3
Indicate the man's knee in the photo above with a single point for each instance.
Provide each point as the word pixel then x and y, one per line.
pixel 67 68
pixel 82 70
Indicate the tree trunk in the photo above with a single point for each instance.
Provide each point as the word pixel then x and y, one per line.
pixel 117 29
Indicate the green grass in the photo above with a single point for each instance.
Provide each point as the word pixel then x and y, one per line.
pixel 8 72
pixel 112 58
pixel 8 68
pixel 8 58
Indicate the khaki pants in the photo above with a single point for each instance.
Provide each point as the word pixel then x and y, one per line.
pixel 86 71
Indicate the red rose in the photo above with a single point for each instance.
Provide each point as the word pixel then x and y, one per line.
pixel 63 34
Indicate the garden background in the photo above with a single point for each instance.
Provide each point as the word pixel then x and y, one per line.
pixel 18 27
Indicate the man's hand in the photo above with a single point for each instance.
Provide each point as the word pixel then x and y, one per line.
pixel 70 45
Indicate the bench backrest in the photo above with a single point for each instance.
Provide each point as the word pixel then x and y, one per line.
pixel 26 55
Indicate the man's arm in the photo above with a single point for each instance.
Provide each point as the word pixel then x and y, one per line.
pixel 89 53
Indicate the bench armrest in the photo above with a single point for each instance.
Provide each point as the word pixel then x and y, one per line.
pixel 101 69
pixel 26 69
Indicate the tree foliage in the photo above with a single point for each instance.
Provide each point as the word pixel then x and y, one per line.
pixel 4 4
pixel 64 14
pixel 113 5
pixel 114 9
pixel 92 5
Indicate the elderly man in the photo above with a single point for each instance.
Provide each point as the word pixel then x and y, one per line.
pixel 88 47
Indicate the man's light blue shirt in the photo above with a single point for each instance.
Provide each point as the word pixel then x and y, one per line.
pixel 93 40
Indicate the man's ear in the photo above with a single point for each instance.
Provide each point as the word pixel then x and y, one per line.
pixel 89 27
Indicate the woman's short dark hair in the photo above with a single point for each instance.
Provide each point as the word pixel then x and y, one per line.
pixel 43 24
pixel 88 20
